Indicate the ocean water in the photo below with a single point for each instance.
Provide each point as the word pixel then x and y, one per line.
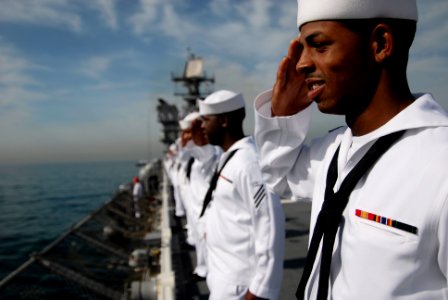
pixel 40 202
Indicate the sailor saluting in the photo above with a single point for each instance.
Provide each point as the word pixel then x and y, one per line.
pixel 205 158
pixel 244 222
pixel 379 187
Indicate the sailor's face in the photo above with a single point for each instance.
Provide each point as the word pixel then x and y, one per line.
pixel 335 63
pixel 212 128
pixel 198 135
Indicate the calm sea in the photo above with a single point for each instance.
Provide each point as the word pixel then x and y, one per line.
pixel 40 202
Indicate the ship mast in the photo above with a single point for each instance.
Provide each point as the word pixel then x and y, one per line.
pixel 192 79
pixel 195 84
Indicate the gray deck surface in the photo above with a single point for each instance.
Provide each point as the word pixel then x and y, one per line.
pixel 297 228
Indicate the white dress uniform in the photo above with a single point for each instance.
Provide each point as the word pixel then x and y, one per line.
pixel 173 166
pixel 206 158
pixel 137 191
pixel 183 193
pixel 177 176
pixel 375 255
pixel 244 230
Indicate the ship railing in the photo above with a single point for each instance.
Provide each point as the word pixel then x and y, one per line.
pixel 166 278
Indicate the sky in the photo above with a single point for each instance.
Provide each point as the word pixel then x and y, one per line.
pixel 80 79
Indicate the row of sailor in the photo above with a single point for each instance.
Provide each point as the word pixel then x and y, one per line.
pixel 239 231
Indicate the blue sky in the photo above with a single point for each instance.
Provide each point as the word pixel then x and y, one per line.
pixel 80 79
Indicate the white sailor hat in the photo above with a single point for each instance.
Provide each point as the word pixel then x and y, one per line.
pixel 221 102
pixel 186 122
pixel 319 10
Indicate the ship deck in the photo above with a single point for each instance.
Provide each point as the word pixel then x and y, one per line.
pixel 297 230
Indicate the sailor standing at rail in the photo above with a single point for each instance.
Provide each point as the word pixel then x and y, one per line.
pixel 174 161
pixel 170 160
pixel 206 157
pixel 186 161
pixel 244 222
pixel 137 196
pixel 379 187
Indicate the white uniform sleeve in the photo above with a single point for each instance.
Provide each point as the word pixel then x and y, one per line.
pixel 268 234
pixel 284 160
pixel 443 241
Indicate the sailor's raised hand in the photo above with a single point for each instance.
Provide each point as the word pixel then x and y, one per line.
pixel 290 90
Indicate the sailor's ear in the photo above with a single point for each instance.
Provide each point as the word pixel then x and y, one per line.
pixel 224 120
pixel 382 42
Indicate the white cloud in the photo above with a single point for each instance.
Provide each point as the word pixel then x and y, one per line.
pixel 142 21
pixel 256 12
pixel 96 66
pixel 43 12
pixel 15 81
pixel 244 30
pixel 177 26
pixel 110 85
pixel 156 17
pixel 57 13
pixel 17 97
pixel 287 18
pixel 107 11
pixel 220 7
